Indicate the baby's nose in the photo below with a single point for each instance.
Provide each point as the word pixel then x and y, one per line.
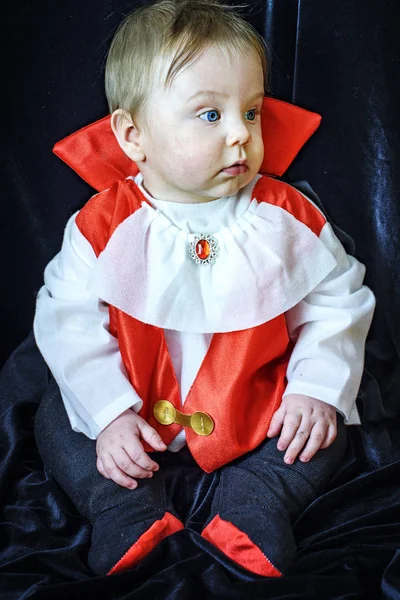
pixel 238 134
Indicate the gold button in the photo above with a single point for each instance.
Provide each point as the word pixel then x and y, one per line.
pixel 166 414
pixel 201 423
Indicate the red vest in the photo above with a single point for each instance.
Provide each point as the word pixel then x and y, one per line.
pixel 242 378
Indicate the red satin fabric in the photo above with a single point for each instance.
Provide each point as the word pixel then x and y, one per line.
pixel 149 540
pixel 240 384
pixel 289 199
pixel 93 152
pixel 238 547
pixel 102 214
pixel 147 361
pixel 242 378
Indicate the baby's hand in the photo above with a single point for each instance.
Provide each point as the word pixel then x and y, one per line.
pixel 307 425
pixel 120 455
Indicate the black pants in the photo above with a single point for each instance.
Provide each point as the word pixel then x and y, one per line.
pixel 257 495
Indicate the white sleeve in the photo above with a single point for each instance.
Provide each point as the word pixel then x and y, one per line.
pixel 329 328
pixel 71 328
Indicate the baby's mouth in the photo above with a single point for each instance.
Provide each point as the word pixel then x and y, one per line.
pixel 238 168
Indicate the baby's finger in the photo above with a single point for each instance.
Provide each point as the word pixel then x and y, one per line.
pixel 317 437
pixel 150 435
pixel 299 440
pixel 330 436
pixel 136 453
pixel 276 422
pixel 116 474
pixel 289 429
pixel 128 466
pixel 101 469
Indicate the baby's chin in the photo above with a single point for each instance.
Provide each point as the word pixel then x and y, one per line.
pixel 233 185
pixel 216 188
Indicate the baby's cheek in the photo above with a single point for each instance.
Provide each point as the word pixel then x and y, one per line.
pixel 194 156
pixel 191 166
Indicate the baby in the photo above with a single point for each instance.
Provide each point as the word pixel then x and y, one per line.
pixel 198 310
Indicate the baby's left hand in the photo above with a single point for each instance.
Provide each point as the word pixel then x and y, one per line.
pixel 307 425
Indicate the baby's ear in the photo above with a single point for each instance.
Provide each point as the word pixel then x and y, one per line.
pixel 127 134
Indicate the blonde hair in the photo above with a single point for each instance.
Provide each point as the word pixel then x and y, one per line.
pixel 175 30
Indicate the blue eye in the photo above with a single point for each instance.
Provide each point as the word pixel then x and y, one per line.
pixel 212 116
pixel 250 115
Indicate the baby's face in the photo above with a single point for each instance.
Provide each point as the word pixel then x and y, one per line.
pixel 203 136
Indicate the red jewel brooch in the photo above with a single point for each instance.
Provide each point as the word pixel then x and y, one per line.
pixel 204 249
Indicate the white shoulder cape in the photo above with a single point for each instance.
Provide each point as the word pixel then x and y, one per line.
pixel 268 261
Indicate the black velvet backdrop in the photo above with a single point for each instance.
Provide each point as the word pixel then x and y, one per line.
pixel 340 59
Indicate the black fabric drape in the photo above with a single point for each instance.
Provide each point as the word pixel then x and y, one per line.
pixel 338 59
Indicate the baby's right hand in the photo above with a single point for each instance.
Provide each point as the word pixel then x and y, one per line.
pixel 120 455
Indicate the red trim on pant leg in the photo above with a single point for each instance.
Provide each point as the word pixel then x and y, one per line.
pixel 239 547
pixel 147 541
